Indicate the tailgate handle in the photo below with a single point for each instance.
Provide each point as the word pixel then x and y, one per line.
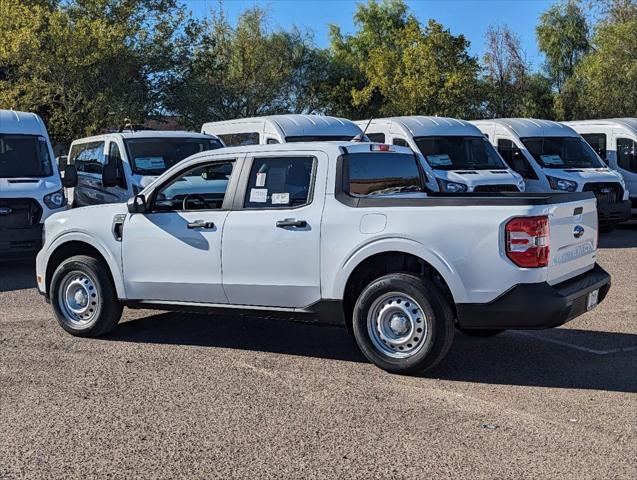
pixel 578 211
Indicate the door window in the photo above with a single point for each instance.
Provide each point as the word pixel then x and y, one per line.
pixel 627 154
pixel 88 157
pixel 279 182
pixel 376 137
pixel 115 157
pixel 272 141
pixel 514 158
pixel 239 139
pixel 200 188
pixel 597 141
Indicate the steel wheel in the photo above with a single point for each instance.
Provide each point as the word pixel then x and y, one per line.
pixel 396 325
pixel 78 298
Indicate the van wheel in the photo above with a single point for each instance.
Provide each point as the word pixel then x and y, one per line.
pixel 402 323
pixel 481 333
pixel 84 298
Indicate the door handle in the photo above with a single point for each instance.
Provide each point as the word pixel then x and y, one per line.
pixel 200 224
pixel 291 222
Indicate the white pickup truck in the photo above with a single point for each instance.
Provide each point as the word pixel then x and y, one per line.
pixel 338 232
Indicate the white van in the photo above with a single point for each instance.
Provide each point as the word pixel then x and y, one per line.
pixel 615 141
pixel 552 157
pixel 30 185
pixel 455 155
pixel 112 167
pixel 282 129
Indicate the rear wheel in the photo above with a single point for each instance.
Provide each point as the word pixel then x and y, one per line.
pixel 84 298
pixel 403 323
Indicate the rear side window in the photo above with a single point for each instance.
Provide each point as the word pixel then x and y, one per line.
pixel 514 158
pixel 280 182
pixel 380 173
pixel 239 139
pixel 401 142
pixel 376 137
pixel 88 157
pixel 597 141
pixel 627 154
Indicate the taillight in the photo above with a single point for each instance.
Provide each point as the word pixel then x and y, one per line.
pixel 527 241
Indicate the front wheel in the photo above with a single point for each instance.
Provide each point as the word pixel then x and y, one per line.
pixel 84 297
pixel 403 323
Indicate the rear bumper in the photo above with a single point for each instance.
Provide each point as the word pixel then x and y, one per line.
pixel 20 241
pixel 536 305
pixel 614 212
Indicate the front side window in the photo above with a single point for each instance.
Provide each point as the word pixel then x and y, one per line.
pixel 153 156
pixel 200 188
pixel 380 173
pixel 116 158
pixel 24 156
pixel 88 157
pixel 627 154
pixel 459 153
pixel 279 182
pixel 562 152
pixel 597 141
pixel 515 159
pixel 239 139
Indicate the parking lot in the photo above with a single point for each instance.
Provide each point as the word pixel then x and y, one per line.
pixel 171 395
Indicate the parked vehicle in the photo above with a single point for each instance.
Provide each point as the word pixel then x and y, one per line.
pixel 455 155
pixel 282 129
pixel 339 232
pixel 552 157
pixel 30 185
pixel 112 167
pixel 615 141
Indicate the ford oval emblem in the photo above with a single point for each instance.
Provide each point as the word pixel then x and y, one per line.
pixel 5 210
pixel 578 231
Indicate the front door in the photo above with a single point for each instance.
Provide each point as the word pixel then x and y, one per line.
pixel 173 253
pixel 271 241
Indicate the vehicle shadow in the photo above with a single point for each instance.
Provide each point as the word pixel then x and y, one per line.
pixel 624 236
pixel 508 359
pixel 17 275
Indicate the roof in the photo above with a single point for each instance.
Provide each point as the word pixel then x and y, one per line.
pixel 147 134
pixel 531 127
pixel 628 123
pixel 296 125
pixel 12 121
pixel 420 125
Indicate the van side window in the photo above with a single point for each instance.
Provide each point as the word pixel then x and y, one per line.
pixel 597 141
pixel 400 142
pixel 627 154
pixel 376 137
pixel 239 139
pixel 514 158
pixel 272 141
pixel 89 157
pixel 115 157
pixel 279 182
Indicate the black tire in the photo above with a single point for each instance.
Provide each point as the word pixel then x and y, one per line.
pixel 482 333
pixel 437 317
pixel 105 313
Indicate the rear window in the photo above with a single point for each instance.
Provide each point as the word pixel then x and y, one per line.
pixel 381 173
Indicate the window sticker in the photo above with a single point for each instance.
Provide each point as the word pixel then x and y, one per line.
pixel 150 163
pixel 261 179
pixel 258 195
pixel 552 159
pixel 439 160
pixel 280 198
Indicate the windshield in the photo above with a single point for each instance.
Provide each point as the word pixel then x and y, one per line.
pixel 319 138
pixel 382 174
pixel 562 152
pixel 24 156
pixel 459 153
pixel 153 156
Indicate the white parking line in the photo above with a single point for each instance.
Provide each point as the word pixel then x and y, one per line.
pixel 576 347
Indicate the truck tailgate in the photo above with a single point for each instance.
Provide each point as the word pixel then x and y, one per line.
pixel 573 239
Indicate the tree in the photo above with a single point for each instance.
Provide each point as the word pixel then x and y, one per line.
pixel 505 72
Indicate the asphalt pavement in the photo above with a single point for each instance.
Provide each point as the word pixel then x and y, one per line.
pixel 171 395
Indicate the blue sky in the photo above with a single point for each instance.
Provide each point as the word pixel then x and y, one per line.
pixel 468 17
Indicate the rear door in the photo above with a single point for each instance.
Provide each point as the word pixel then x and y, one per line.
pixel 271 240
pixel 573 239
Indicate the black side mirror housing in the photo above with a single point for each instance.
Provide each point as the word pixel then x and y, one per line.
pixel 110 175
pixel 70 176
pixel 137 204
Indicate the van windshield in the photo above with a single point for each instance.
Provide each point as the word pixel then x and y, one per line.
pixel 562 152
pixel 24 156
pixel 459 153
pixel 153 156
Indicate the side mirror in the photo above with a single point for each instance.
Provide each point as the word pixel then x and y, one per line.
pixel 110 175
pixel 61 162
pixel 137 204
pixel 70 176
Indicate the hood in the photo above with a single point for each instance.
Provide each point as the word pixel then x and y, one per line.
pixel 583 175
pixel 29 187
pixel 472 178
